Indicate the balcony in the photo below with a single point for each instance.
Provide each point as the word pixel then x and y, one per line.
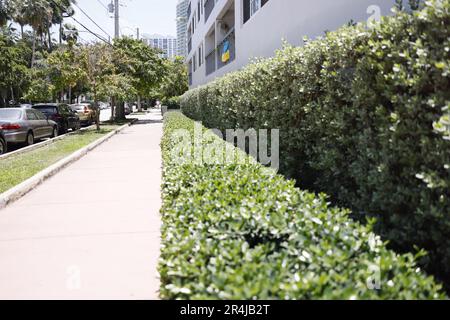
pixel 231 40
pixel 210 61
pixel 209 6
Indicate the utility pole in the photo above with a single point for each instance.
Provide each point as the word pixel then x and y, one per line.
pixel 137 34
pixel 116 19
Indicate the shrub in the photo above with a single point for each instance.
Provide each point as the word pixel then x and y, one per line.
pixel 172 103
pixel 244 232
pixel 363 115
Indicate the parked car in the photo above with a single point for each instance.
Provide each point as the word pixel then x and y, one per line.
pixel 61 114
pixel 86 112
pixel 103 105
pixel 3 144
pixel 26 125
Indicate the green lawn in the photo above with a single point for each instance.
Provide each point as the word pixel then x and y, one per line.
pixel 17 169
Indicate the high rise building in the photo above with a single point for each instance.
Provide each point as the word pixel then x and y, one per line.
pixel 167 44
pixel 182 19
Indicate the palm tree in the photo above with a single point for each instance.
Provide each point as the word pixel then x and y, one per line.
pixel 61 9
pixel 15 8
pixel 4 14
pixel 37 14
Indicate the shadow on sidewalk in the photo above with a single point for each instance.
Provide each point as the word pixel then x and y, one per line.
pixel 141 122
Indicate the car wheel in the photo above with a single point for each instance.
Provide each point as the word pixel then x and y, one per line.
pixel 30 139
pixel 3 147
pixel 54 132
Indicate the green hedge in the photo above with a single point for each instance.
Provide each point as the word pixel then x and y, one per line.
pixel 244 232
pixel 172 103
pixel 363 115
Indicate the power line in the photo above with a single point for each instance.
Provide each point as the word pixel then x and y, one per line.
pixel 82 25
pixel 92 20
pixel 101 3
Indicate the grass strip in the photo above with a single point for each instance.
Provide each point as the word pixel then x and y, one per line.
pixel 16 169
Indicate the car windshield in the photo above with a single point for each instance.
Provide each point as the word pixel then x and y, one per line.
pixel 10 114
pixel 46 109
pixel 77 107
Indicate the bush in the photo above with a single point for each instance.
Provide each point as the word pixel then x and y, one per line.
pixel 172 103
pixel 363 115
pixel 244 232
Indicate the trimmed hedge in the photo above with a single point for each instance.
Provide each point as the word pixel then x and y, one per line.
pixel 363 115
pixel 244 232
pixel 172 103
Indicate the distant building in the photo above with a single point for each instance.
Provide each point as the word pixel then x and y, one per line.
pixel 225 35
pixel 182 19
pixel 167 44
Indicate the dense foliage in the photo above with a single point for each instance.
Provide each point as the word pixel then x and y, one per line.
pixel 34 67
pixel 364 117
pixel 240 231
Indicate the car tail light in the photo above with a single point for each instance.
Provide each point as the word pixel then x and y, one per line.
pixel 55 116
pixel 86 110
pixel 10 126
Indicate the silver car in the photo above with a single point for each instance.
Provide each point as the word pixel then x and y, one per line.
pixel 26 125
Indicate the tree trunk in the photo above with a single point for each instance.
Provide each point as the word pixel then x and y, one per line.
pixel 120 112
pixel 60 33
pixel 139 104
pixel 113 107
pixel 34 49
pixel 21 32
pixel 70 95
pixel 49 39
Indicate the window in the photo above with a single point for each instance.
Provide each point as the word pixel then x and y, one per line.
pixel 251 7
pixel 255 5
pixel 8 114
pixel 200 55
pixel 194 58
pixel 198 10
pixel 31 115
pixel 40 115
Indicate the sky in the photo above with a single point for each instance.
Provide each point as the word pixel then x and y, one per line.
pixel 151 16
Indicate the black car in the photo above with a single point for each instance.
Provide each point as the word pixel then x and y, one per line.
pixel 61 114
pixel 3 145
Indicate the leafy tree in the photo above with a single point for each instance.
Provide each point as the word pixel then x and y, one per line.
pixel 175 81
pixel 65 69
pixel 97 61
pixel 141 63
pixel 40 89
pixel 13 68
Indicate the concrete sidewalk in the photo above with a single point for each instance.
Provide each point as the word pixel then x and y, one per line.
pixel 93 230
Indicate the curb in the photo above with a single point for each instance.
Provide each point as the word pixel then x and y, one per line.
pixel 25 187
pixel 41 144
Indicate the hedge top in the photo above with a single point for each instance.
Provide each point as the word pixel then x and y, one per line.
pixel 244 232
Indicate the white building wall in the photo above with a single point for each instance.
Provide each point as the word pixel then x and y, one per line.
pixel 264 32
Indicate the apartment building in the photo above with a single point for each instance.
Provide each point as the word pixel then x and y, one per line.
pixel 224 35
pixel 182 19
pixel 167 44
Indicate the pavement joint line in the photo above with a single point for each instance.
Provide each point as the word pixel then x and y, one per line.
pixel 71 236
pixel 28 185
